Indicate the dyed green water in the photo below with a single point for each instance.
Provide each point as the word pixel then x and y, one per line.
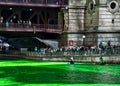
pixel 35 73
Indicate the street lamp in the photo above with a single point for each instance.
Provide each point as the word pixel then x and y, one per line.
pixel 83 39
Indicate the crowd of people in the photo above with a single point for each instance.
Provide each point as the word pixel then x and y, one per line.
pixel 80 50
pixel 19 23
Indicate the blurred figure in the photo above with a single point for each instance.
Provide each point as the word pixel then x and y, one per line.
pixel 71 60
pixel 1 21
pixel 36 49
pixel 7 24
pixel 109 43
pixel 101 60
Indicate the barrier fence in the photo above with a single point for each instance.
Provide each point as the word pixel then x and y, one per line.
pixel 74 52
pixel 51 28
pixel 45 52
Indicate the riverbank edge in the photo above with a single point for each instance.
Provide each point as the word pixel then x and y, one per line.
pixel 87 59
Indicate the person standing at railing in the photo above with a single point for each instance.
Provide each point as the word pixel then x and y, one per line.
pixel 19 23
pixel 101 45
pixel 109 47
pixel 7 24
pixel 78 50
pixel 109 43
pixel 29 22
pixel 24 24
pixel 36 49
pixel 1 21
pixel 11 23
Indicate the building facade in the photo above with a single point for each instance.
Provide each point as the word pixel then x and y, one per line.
pixel 90 22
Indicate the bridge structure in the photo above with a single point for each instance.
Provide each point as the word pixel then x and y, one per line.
pixel 31 16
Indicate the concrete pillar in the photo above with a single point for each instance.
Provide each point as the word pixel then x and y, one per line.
pixel 98 20
pixel 60 20
pixel 75 30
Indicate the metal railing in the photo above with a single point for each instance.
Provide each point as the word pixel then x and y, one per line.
pixel 52 28
pixel 59 52
pixel 75 52
pixel 44 2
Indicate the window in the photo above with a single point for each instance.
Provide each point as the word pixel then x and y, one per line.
pixel 113 5
pixel 91 6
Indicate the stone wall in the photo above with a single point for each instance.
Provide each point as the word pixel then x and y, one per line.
pixel 109 22
pixel 76 15
pixel 88 59
pixel 98 20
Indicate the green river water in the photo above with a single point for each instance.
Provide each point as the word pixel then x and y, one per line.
pixel 37 73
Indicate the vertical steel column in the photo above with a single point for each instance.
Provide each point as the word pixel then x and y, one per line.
pixel 38 18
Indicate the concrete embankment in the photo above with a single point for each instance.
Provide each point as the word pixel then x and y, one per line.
pixel 96 59
pixel 107 59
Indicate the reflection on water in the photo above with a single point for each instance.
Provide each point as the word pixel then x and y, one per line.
pixel 87 73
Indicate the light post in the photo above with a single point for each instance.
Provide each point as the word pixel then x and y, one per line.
pixel 83 39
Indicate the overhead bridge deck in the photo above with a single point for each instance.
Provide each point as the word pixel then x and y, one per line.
pixel 38 3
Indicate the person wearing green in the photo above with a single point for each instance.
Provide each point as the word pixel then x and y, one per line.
pixel 7 24
pixel 101 60
pixel 35 49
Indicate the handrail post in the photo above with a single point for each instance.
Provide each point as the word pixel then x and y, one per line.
pixel 27 1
